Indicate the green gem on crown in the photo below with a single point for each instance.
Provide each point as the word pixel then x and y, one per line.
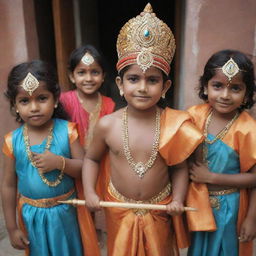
pixel 146 33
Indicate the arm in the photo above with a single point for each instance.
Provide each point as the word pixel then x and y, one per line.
pixel 48 161
pixel 248 228
pixel 91 164
pixel 199 173
pixel 9 197
pixel 179 177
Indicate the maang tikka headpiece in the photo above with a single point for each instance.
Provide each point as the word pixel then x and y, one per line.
pixel 30 83
pixel 230 69
pixel 147 41
pixel 87 59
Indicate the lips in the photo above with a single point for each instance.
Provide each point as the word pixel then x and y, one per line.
pixel 35 117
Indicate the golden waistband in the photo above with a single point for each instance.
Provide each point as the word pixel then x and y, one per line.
pixel 46 202
pixel 155 199
pixel 223 192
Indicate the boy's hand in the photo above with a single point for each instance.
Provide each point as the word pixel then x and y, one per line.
pixel 18 239
pixel 199 173
pixel 93 202
pixel 47 161
pixel 248 230
pixel 175 208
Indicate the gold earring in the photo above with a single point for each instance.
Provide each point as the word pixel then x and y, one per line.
pixel 205 92
pixel 121 93
pixel 163 96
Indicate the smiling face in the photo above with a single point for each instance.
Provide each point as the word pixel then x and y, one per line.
pixel 142 90
pixel 37 109
pixel 225 97
pixel 87 78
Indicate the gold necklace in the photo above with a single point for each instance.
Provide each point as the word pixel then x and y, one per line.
pixel 219 136
pixel 222 133
pixel 140 168
pixel 47 147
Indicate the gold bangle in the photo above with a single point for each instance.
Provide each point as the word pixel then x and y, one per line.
pixel 63 163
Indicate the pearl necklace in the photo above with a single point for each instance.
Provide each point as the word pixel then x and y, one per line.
pixel 47 147
pixel 140 168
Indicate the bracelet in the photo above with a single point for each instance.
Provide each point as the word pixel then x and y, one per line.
pixel 63 163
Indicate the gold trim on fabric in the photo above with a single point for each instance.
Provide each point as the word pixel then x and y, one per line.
pixel 214 200
pixel 155 199
pixel 46 202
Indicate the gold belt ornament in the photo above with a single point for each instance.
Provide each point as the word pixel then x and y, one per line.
pixel 46 202
pixel 214 200
pixel 157 198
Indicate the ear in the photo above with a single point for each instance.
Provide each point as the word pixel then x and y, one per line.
pixel 119 85
pixel 166 86
pixel 71 77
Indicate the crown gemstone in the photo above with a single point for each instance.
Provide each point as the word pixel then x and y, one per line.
pixel 146 33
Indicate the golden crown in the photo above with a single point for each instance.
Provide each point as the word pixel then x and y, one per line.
pixel 147 41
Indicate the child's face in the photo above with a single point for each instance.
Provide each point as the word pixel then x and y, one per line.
pixel 37 109
pixel 142 90
pixel 87 78
pixel 224 96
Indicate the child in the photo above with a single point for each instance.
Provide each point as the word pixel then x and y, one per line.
pixel 227 86
pixel 41 158
pixel 85 105
pixel 142 140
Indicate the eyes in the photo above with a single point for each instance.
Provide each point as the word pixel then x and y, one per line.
pixel 93 72
pixel 25 100
pixel 236 88
pixel 150 80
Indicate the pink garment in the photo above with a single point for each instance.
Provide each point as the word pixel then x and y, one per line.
pixel 79 115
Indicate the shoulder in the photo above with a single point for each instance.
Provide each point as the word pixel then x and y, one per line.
pixel 109 120
pixel 67 96
pixel 198 109
pixel 246 122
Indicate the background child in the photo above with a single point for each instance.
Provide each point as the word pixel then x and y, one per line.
pixel 85 105
pixel 140 140
pixel 41 157
pixel 227 86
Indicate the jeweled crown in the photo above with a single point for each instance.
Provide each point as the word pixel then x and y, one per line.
pixel 147 41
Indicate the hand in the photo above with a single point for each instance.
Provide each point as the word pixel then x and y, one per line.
pixel 47 161
pixel 200 173
pixel 18 239
pixel 93 202
pixel 248 230
pixel 175 208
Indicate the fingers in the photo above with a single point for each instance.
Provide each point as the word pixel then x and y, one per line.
pixel 21 242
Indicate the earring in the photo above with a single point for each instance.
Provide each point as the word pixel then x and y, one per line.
pixel 163 96
pixel 56 105
pixel 17 111
pixel 205 92
pixel 121 93
pixel 244 102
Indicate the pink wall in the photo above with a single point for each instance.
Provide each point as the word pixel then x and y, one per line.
pixel 211 26
pixel 18 43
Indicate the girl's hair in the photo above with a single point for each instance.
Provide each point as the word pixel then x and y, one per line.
pixel 217 60
pixel 162 103
pixel 78 54
pixel 43 72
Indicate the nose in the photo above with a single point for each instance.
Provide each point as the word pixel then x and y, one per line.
pixel 142 86
pixel 34 106
pixel 225 93
pixel 88 77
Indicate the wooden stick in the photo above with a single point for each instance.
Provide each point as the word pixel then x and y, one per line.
pixel 124 205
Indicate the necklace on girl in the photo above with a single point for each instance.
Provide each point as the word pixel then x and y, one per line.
pixel 47 147
pixel 140 168
pixel 219 136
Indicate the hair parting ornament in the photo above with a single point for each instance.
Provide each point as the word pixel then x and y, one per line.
pixel 230 69
pixel 147 41
pixel 87 59
pixel 30 83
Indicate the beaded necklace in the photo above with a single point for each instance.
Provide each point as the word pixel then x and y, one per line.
pixel 140 168
pixel 47 147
